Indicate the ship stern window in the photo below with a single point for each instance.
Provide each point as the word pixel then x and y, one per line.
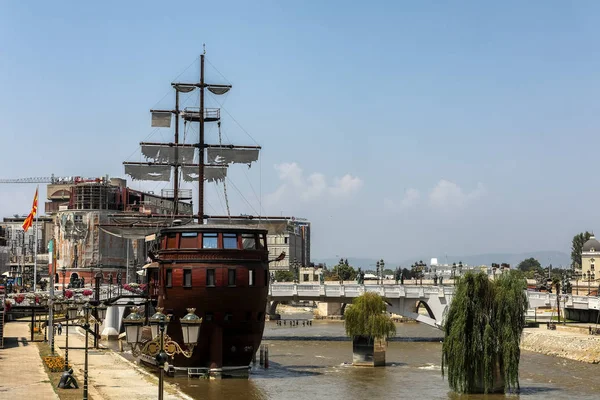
pixel 169 278
pixel 209 241
pixel 187 278
pixel 210 277
pixel 172 240
pixel 230 241
pixel 249 241
pixel 251 278
pixel 189 240
pixel 231 277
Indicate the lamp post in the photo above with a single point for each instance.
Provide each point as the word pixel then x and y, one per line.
pixel 454 273
pixel 64 272
pixel 381 268
pixel 161 346
pixel 296 270
pixel 71 313
pixel 101 314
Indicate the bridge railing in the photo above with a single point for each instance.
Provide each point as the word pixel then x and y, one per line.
pixel 355 290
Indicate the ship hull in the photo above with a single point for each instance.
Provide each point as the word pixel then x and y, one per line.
pixel 232 333
pixel 226 287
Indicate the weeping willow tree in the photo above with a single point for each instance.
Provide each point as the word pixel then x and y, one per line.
pixel 367 318
pixel 482 333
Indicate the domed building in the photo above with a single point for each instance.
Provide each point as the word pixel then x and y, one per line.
pixel 590 255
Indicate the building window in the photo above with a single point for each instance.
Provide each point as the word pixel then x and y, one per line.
pixel 592 267
pixel 230 241
pixel 210 277
pixel 169 278
pixel 231 277
pixel 286 240
pixel 208 316
pixel 228 317
pixel 209 241
pixel 249 241
pixel 261 241
pixel 305 277
pixel 251 277
pixel 187 278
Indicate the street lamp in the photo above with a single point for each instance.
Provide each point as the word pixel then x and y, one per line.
pixel 296 269
pixel 64 272
pixel 454 273
pixel 70 313
pixel 381 268
pixel 101 314
pixel 161 346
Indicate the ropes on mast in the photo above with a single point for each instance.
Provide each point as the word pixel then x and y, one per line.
pixel 224 180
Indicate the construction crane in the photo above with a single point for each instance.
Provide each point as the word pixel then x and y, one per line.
pixel 54 179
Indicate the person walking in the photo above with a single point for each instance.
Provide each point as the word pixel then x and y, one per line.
pixel 59 328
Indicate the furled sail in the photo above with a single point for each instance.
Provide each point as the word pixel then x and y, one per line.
pixel 211 174
pixel 161 119
pixel 142 172
pixel 166 153
pixel 226 155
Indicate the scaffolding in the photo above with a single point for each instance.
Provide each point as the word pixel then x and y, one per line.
pixel 96 197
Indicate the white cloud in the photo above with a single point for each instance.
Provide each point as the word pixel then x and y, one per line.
pixel 315 186
pixel 348 184
pixel 448 195
pixel 410 199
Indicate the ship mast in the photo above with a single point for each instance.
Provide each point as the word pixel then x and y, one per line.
pixel 201 145
pixel 164 157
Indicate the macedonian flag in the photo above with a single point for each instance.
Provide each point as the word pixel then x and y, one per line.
pixel 29 220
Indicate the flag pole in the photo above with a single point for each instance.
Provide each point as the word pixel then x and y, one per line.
pixel 35 246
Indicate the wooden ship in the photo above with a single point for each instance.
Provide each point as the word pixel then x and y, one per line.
pixel 220 270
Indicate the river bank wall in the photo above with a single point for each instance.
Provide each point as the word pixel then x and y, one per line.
pixel 565 344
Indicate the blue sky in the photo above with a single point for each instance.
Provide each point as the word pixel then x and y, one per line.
pixel 397 128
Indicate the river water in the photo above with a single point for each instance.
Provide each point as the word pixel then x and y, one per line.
pixel 316 366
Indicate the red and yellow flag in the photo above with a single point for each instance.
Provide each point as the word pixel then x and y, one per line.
pixel 29 220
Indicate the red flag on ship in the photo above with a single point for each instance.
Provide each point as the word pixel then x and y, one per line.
pixel 29 220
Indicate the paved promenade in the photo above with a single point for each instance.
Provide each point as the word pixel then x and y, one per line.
pixel 110 376
pixel 22 374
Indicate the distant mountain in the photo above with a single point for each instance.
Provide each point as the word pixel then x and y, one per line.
pixel 556 258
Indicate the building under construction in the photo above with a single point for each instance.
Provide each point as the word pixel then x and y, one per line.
pixel 77 211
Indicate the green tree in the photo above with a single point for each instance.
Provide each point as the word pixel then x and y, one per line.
pixel 530 264
pixel 284 276
pixel 482 333
pixel 367 317
pixel 577 244
pixel 388 271
pixel 344 272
